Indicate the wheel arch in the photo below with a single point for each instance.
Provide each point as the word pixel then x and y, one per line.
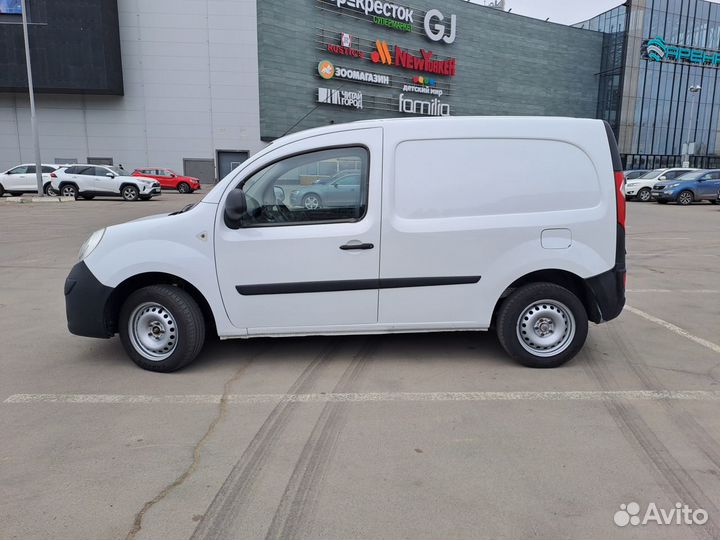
pixel 64 183
pixel 126 183
pixel 132 284
pixel 563 278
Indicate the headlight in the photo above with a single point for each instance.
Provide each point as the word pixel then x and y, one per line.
pixel 631 184
pixel 295 192
pixel 676 184
pixel 90 244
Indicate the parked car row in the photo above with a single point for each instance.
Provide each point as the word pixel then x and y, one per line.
pixel 683 186
pixel 88 181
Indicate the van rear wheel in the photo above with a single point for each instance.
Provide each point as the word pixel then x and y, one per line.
pixel 161 328
pixel 542 325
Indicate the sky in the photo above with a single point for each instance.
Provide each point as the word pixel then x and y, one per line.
pixel 562 11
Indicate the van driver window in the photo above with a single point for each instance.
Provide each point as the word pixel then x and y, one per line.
pixel 324 186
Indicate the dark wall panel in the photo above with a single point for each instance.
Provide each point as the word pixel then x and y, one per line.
pixel 506 64
pixel 74 47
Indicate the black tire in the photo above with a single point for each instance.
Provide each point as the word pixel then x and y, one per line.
pixel 88 197
pixel 130 193
pixel 713 201
pixel 685 198
pixel 2 190
pixel 184 187
pixel 308 204
pixel 49 191
pixel 69 190
pixel 553 301
pixel 182 316
pixel 644 195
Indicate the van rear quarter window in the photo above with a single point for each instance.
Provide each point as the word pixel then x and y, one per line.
pixel 475 177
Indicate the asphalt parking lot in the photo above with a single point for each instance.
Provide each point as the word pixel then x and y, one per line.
pixel 407 436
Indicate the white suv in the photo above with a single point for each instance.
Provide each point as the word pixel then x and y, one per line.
pixel 89 181
pixel 640 188
pixel 22 179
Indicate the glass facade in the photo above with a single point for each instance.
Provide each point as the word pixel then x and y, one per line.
pixel 612 24
pixel 647 102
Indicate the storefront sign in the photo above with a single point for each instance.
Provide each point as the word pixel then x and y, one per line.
pixel 423 85
pixel 327 71
pixel 343 98
pixel 420 106
pixel 400 17
pixel 436 30
pixel 657 50
pixel 405 60
pixel 345 48
pixel 379 9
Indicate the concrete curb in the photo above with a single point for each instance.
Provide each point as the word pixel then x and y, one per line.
pixel 27 200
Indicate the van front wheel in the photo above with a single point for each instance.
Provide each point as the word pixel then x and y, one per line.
pixel 161 328
pixel 542 325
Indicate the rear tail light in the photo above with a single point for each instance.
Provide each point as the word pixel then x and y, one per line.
pixel 53 175
pixel 620 198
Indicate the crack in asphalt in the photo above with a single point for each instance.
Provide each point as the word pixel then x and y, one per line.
pixel 197 449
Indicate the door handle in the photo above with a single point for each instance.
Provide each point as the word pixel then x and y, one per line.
pixel 348 247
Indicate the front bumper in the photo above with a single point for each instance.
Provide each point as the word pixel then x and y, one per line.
pixel 631 191
pixel 663 195
pixel 86 303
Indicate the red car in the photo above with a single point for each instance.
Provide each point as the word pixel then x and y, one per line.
pixel 169 179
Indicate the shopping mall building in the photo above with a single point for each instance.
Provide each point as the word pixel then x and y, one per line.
pixel 198 85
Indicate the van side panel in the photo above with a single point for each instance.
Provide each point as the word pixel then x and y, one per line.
pixel 494 198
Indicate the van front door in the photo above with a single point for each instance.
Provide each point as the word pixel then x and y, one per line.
pixel 292 267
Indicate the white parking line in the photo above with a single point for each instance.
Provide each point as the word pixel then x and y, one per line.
pixel 240 399
pixel 679 291
pixel 676 329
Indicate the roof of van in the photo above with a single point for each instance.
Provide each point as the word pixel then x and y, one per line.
pixel 426 122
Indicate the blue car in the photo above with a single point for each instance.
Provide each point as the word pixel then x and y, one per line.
pixel 688 188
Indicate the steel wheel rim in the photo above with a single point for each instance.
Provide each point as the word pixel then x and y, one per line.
pixel 546 328
pixel 685 198
pixel 68 191
pixel 129 193
pixel 311 202
pixel 644 195
pixel 184 188
pixel 153 331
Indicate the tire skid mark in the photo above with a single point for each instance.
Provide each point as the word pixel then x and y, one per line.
pixel 670 474
pixel 695 434
pixel 197 449
pixel 240 483
pixel 298 503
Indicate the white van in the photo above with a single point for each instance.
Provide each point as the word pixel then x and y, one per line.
pixel 471 223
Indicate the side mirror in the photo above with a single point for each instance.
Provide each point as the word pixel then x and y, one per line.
pixel 111 175
pixel 173 175
pixel 663 178
pixel 279 193
pixel 235 208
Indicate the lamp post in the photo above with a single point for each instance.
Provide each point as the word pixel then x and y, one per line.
pixel 33 118
pixel 694 89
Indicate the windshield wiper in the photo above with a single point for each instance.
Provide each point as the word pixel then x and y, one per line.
pixel 185 209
